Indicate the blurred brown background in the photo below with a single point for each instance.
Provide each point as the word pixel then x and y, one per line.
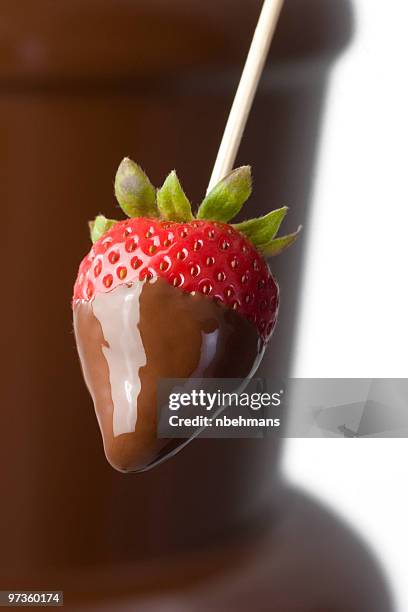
pixel 83 84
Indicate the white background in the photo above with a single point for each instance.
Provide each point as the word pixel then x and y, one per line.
pixel 355 294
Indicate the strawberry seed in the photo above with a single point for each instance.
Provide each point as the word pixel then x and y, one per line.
pixel 113 257
pixel 121 272
pixel 108 280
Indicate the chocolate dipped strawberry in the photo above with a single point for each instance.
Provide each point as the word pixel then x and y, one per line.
pixel 164 294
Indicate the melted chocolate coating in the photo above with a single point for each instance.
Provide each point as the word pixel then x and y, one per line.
pixel 135 335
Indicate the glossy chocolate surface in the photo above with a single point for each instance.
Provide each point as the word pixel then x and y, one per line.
pixel 137 334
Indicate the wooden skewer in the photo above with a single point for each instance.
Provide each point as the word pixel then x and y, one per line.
pixel 246 90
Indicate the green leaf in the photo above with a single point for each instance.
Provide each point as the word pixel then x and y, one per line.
pixel 172 202
pixel 263 229
pixel 276 246
pixel 100 226
pixel 134 192
pixel 226 199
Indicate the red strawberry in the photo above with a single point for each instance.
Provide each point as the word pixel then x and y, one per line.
pixel 202 256
pixel 207 257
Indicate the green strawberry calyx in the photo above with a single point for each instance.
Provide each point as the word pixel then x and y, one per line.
pixel 138 198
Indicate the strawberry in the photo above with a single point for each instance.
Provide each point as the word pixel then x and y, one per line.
pixel 205 255
pixel 165 295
